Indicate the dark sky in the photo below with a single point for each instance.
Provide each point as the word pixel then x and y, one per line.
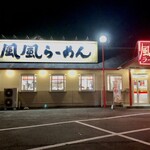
pixel 124 22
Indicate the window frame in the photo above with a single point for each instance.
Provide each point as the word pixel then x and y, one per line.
pixel 80 82
pixel 64 83
pixel 34 83
pixel 109 88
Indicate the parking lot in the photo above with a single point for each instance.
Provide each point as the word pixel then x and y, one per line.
pixel 75 128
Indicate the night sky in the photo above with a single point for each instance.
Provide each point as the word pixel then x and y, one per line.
pixel 124 22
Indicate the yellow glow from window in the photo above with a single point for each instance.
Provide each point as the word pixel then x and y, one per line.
pixel 143 70
pixel 72 73
pixel 42 73
pixel 10 73
pixel 132 71
pixel 138 71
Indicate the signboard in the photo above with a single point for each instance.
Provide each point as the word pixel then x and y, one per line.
pixel 144 52
pixel 48 51
pixel 117 98
pixel 117 92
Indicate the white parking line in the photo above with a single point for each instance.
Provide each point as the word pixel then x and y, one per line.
pixel 71 142
pixel 115 117
pixel 133 131
pixel 119 134
pixel 133 139
pixel 97 128
pixel 110 133
pixel 66 122
pixel 95 138
pixel 35 126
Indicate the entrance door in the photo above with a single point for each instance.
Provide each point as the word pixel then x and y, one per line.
pixel 140 95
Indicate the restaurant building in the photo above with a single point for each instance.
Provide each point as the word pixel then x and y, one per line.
pixel 49 73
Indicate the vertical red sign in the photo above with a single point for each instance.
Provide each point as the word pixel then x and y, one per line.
pixel 144 52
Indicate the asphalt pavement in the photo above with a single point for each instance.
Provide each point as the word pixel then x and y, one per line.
pixel 75 128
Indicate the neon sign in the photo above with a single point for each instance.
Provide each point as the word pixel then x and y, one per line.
pixel 144 52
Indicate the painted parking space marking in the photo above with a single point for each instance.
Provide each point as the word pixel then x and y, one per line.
pixel 82 122
pixel 121 133
pixel 97 128
pixel 115 117
pixel 71 142
pixel 66 122
pixel 96 138
pixel 35 126
pixel 100 137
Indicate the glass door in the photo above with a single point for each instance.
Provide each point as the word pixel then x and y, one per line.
pixel 140 86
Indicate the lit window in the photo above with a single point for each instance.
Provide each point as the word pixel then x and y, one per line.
pixel 58 83
pixel 86 83
pixel 113 80
pixel 28 83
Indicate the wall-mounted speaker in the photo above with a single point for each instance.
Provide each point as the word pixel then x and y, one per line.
pixel 10 98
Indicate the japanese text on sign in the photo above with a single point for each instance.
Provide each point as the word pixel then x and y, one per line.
pixel 48 51
pixel 144 52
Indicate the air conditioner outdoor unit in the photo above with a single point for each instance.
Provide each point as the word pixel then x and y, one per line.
pixel 10 98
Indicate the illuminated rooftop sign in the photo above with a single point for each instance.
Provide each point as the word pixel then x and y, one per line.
pixel 144 52
pixel 48 51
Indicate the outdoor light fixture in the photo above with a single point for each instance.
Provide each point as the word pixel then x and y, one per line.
pixel 103 39
pixel 10 73
pixel 42 73
pixel 72 73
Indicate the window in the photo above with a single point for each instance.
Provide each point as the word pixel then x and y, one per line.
pixel 58 82
pixel 28 83
pixel 113 80
pixel 86 83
